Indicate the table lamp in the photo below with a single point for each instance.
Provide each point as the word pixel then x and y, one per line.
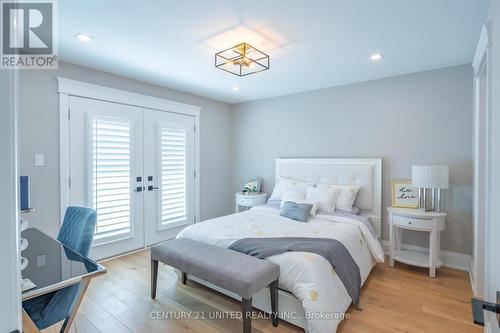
pixel 432 178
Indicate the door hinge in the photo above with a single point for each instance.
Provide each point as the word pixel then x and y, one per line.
pixel 195 174
pixel 69 114
pixel 194 128
pixel 69 181
pixel 195 219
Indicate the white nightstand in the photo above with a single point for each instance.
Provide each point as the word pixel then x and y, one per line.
pixel 249 200
pixel 414 219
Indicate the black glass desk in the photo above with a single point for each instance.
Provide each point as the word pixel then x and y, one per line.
pixel 51 267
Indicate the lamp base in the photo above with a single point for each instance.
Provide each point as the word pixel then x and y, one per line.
pixel 435 201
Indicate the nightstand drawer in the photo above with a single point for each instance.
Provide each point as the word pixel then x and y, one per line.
pixel 246 202
pixel 408 222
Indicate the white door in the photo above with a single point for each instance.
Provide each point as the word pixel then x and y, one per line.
pixel 106 159
pixel 169 157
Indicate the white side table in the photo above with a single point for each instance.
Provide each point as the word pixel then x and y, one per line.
pixel 249 200
pixel 414 219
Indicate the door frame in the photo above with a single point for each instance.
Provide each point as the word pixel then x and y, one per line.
pixel 481 63
pixel 67 88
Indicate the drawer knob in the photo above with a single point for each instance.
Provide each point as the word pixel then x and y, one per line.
pixel 409 222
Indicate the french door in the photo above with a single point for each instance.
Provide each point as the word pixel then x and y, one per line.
pixel 169 170
pixel 135 167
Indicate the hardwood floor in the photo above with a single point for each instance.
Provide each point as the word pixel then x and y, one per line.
pixel 399 299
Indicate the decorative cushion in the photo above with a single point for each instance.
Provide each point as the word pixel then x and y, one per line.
pixel 296 211
pixel 286 184
pixel 314 204
pixel 326 198
pixel 346 195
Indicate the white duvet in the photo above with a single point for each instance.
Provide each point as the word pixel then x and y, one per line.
pixel 308 276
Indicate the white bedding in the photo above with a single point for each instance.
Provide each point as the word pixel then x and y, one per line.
pixel 308 276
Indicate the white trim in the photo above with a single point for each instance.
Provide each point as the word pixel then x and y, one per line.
pixel 481 63
pixel 482 46
pixel 88 90
pixel 67 88
pixel 376 213
pixel 197 168
pixel 450 259
pixel 64 154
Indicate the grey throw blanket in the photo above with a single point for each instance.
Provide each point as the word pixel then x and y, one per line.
pixel 330 249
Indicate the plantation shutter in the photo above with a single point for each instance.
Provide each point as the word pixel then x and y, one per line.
pixel 111 171
pixel 173 174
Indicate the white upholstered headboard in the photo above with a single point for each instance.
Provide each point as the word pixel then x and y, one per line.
pixel 363 172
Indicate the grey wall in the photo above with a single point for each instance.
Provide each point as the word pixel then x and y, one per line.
pixel 39 126
pixel 411 119
pixel 494 219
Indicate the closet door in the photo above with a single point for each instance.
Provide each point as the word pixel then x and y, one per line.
pixel 106 171
pixel 169 160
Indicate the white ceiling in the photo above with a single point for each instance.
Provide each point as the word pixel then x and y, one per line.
pixel 313 44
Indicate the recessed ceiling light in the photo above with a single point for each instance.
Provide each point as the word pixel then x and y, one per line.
pixel 376 56
pixel 83 37
pixel 236 88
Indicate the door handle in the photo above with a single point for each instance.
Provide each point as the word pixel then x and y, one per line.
pixel 139 189
pixel 150 188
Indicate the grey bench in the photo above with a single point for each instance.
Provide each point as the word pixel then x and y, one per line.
pixel 234 271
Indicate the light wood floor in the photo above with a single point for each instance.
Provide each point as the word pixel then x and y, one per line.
pixel 399 299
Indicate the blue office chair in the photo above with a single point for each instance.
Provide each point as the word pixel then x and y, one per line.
pixel 77 233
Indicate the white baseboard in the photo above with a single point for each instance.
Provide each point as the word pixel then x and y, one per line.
pixel 450 259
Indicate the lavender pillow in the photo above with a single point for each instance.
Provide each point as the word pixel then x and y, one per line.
pixel 355 210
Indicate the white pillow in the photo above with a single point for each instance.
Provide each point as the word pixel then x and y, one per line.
pixel 286 184
pixel 346 195
pixel 326 198
pixel 314 204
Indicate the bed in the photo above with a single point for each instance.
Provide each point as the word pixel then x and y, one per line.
pixel 311 295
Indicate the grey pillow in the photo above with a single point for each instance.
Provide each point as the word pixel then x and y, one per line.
pixel 296 211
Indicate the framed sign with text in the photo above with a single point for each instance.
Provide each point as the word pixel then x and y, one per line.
pixel 404 195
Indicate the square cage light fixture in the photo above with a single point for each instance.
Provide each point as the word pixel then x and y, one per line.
pixel 242 59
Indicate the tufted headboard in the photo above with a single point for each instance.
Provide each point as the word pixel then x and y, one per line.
pixel 363 172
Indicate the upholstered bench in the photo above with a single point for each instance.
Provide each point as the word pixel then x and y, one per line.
pixel 234 271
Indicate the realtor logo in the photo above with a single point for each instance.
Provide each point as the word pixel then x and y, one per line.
pixel 28 32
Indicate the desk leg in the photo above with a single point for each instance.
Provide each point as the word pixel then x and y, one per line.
pixel 74 309
pixel 28 325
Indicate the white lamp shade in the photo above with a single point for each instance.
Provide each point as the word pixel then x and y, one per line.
pixel 430 176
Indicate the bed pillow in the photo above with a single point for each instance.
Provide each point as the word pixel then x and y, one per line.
pixel 346 195
pixel 314 204
pixel 287 184
pixel 326 198
pixel 296 211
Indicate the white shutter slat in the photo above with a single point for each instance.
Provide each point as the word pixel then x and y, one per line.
pixel 111 168
pixel 173 174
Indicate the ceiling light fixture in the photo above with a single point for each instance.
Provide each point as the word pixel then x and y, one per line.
pixel 242 59
pixel 236 88
pixel 376 57
pixel 83 37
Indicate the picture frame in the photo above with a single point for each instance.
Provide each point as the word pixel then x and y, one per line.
pixel 403 194
pixel 258 185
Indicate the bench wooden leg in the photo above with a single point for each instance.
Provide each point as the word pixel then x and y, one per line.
pixel 246 309
pixel 184 277
pixel 154 277
pixel 273 288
